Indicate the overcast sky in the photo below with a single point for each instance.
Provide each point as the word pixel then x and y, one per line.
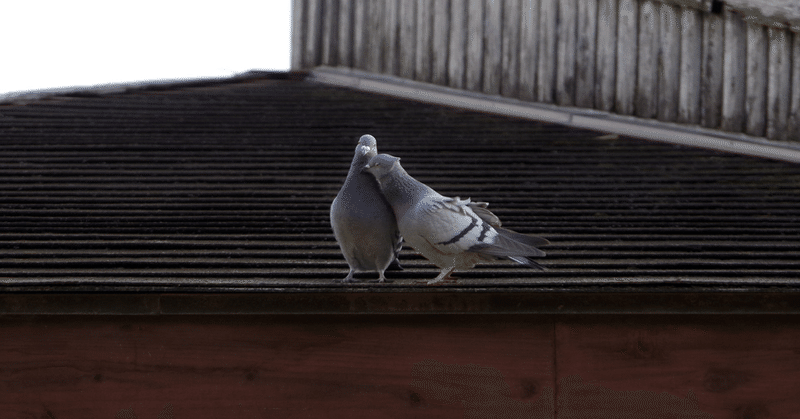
pixel 56 43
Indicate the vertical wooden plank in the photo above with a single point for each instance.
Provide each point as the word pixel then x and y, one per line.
pixel 408 38
pixel 298 31
pixel 390 29
pixel 585 84
pixel 794 101
pixel 780 55
pixel 345 34
pixel 441 31
pixel 457 59
pixel 423 54
pixel 734 71
pixel 606 54
pixel 647 66
pixel 330 33
pixel 690 67
pixel 546 80
pixel 627 33
pixel 492 45
pixel 712 76
pixel 511 48
pixel 529 48
pixel 474 73
pixel 756 96
pixel 373 36
pixel 313 50
pixel 359 33
pixel 566 49
pixel 669 62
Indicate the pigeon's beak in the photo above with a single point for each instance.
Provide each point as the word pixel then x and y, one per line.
pixel 365 168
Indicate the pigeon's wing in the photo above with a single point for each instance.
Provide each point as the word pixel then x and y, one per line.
pixel 451 226
pixel 479 208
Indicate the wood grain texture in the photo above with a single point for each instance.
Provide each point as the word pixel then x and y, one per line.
pixel 408 38
pixel 648 53
pixel 492 46
pixel 585 83
pixel 711 81
pixel 298 34
pixel 313 37
pixel 360 24
pixel 627 33
pixel 456 60
pixel 794 101
pixel 734 88
pixel 389 30
pixel 529 48
pixel 330 33
pixel 608 366
pixel 690 66
pixel 743 368
pixel 669 62
pixel 373 36
pixel 756 96
pixel 566 48
pixel 345 57
pixel 252 367
pixel 474 71
pixel 548 32
pixel 509 81
pixel 606 55
pixel 778 83
pixel 441 32
pixel 424 25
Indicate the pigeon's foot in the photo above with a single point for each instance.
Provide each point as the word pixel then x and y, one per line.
pixel 444 276
pixel 347 280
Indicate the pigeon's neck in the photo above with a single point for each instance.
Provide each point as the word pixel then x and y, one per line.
pixel 401 190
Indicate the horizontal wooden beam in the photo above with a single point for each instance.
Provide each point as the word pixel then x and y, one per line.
pixel 653 299
pixel 775 13
pixel 399 366
pixel 569 116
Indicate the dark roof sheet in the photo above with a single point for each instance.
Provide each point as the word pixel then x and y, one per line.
pixel 225 187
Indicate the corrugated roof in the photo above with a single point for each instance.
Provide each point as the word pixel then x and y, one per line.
pixel 227 187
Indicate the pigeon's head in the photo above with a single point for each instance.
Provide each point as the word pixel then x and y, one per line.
pixel 366 149
pixel 381 165
pixel 368 141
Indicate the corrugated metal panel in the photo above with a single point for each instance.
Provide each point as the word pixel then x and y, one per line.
pixel 228 187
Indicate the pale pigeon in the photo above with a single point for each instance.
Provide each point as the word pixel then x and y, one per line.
pixel 362 220
pixel 451 232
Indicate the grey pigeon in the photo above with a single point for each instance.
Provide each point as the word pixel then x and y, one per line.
pixel 451 232
pixel 362 220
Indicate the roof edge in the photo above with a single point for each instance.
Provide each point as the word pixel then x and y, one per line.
pixel 28 96
pixel 648 129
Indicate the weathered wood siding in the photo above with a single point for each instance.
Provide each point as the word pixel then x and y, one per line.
pixel 719 65
pixel 413 366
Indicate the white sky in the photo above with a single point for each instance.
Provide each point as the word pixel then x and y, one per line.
pixel 62 43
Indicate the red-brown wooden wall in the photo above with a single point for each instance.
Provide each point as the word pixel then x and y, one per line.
pixel 405 366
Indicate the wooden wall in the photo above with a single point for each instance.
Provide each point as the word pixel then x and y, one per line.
pixel 412 366
pixel 688 61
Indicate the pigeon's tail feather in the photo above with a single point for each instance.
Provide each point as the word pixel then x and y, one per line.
pixel 527 262
pixel 532 241
pixel 504 246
